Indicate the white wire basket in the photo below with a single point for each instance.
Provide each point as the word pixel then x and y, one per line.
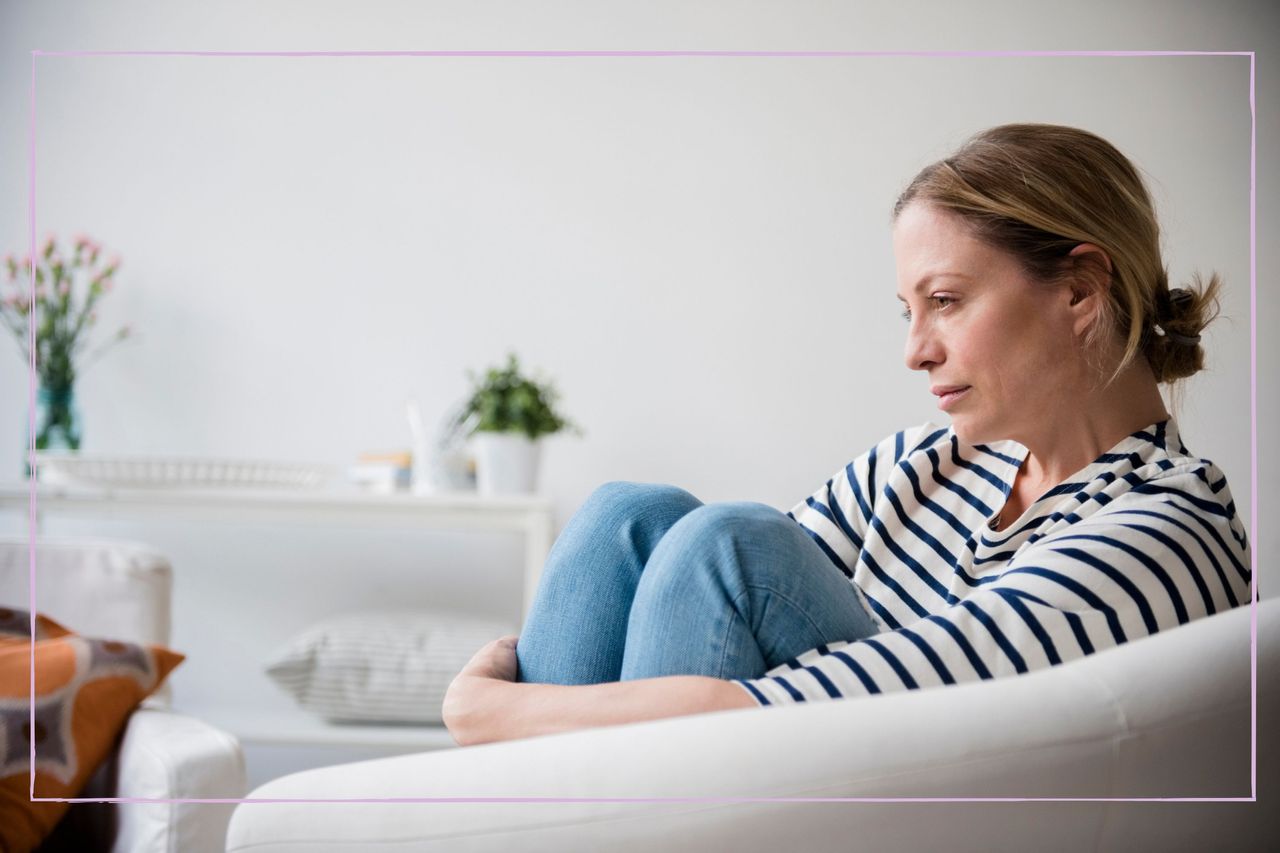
pixel 177 472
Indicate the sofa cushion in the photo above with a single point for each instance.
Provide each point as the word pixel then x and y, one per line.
pixel 85 690
pixel 379 666
pixel 104 587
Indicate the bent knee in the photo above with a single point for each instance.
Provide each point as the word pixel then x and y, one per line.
pixel 622 495
pixel 742 536
pixel 736 517
pixel 751 510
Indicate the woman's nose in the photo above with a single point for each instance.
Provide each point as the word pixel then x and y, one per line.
pixel 923 349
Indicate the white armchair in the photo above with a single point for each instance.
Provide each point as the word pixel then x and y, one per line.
pixel 1167 716
pixel 122 590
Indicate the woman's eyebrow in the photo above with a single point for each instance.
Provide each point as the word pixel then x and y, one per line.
pixel 924 282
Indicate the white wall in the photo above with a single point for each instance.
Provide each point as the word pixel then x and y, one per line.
pixel 696 249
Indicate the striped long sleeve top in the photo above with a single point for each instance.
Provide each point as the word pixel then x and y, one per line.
pixel 1142 539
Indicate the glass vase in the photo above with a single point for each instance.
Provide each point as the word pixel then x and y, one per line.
pixel 58 426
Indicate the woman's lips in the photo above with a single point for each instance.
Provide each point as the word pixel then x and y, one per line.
pixel 946 401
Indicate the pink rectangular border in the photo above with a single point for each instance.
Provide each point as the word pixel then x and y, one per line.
pixel 1253 405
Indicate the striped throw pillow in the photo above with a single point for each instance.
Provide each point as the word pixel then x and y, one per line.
pixel 379 666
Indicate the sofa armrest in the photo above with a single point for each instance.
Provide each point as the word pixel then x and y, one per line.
pixel 164 755
pixel 1163 716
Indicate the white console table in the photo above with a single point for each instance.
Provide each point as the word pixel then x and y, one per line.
pixel 528 514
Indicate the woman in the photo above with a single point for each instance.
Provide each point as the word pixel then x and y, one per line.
pixel 1058 515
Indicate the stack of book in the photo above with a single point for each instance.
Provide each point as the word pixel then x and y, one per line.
pixel 383 473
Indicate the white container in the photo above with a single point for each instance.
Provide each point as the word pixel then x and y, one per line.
pixel 452 469
pixel 506 463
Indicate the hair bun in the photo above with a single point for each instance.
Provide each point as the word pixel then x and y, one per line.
pixel 1175 303
pixel 1177 338
pixel 1180 300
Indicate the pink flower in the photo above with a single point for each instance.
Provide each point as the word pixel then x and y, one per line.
pixel 107 284
pixel 49 243
pixel 64 288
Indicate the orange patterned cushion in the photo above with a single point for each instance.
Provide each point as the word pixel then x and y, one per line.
pixel 85 690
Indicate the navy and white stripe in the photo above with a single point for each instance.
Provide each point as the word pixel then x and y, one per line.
pixel 1144 538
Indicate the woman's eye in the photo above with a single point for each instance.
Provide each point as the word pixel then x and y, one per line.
pixel 938 300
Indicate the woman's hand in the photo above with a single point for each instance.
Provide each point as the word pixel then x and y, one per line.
pixel 469 699
pixel 495 660
pixel 485 703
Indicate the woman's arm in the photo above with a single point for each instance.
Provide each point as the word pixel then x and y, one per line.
pixel 484 703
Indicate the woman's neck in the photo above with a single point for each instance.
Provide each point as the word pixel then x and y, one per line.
pixel 1088 426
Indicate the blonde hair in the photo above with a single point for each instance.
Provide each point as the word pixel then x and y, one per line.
pixel 1036 191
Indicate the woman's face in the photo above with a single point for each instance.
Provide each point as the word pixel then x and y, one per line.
pixel 978 322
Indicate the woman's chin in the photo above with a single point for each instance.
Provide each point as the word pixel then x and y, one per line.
pixel 970 431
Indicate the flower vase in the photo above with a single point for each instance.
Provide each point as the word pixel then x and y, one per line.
pixel 58 426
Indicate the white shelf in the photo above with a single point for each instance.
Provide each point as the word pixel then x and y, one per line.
pixel 344 499
pixel 529 515
pixel 282 728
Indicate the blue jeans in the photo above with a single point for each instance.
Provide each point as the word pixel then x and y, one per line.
pixel 645 580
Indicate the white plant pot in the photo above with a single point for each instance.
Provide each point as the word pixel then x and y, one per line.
pixel 506 463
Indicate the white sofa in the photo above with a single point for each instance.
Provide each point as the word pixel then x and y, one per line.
pixel 122 590
pixel 1167 716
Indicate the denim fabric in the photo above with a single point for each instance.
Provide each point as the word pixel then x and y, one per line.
pixel 645 580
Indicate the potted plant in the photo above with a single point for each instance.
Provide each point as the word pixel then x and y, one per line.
pixel 506 416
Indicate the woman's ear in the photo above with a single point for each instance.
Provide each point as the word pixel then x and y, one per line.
pixel 1090 285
